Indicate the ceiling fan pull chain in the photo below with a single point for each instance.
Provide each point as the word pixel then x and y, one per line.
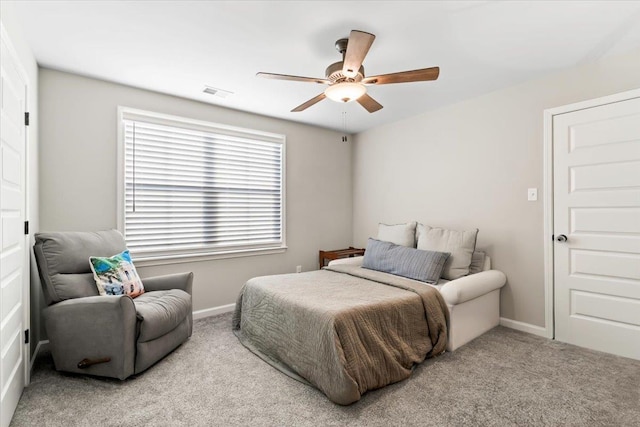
pixel 344 126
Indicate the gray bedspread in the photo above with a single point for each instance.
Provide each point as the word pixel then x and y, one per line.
pixel 343 329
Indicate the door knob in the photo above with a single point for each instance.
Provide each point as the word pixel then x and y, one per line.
pixel 561 238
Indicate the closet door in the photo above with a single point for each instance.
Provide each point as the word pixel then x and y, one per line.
pixel 597 227
pixel 14 270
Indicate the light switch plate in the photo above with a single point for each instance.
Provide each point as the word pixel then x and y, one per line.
pixel 532 194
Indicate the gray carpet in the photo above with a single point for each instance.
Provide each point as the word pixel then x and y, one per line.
pixel 503 378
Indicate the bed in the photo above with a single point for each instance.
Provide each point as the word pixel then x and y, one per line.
pixel 346 329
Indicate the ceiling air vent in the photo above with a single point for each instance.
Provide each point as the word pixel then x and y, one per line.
pixel 220 93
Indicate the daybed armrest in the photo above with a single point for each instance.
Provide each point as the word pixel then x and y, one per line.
pixel 182 281
pixel 93 328
pixel 473 286
pixel 356 260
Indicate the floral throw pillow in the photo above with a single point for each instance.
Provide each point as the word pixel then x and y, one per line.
pixel 116 275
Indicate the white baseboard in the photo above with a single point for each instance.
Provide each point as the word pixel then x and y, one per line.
pixel 213 311
pixel 36 351
pixel 524 327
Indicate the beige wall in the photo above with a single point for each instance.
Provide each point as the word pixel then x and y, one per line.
pixel 12 26
pixel 78 177
pixel 462 166
pixel 469 166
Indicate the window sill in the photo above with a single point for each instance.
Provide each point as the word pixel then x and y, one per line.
pixel 148 261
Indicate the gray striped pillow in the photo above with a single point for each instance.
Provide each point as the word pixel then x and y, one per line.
pixel 417 264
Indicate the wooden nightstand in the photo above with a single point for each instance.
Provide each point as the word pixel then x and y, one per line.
pixel 339 253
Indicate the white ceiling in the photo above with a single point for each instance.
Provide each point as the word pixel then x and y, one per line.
pixel 178 47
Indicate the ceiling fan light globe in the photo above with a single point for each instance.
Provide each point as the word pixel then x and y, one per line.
pixel 345 91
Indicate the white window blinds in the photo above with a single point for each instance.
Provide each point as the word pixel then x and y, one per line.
pixel 193 187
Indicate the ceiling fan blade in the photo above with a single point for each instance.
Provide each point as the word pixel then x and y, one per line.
pixel 357 48
pixel 309 103
pixel 294 78
pixel 421 75
pixel 370 104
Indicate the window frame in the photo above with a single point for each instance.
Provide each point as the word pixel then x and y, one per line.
pixel 128 113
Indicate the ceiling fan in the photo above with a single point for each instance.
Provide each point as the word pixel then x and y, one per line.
pixel 346 79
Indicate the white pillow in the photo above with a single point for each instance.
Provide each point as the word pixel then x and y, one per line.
pixel 477 262
pixel 460 244
pixel 399 234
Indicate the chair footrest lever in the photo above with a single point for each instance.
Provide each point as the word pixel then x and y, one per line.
pixel 85 363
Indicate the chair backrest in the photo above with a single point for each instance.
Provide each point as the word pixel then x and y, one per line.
pixel 63 261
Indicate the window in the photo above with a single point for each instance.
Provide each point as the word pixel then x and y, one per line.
pixel 190 188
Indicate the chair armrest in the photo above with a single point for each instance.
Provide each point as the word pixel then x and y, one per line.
pixel 356 260
pixel 93 327
pixel 473 286
pixel 182 281
pixel 80 312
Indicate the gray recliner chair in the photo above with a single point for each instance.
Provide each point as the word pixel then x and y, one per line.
pixel 110 336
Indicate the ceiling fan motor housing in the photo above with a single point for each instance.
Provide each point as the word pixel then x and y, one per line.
pixel 334 73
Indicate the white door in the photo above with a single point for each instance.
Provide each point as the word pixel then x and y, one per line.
pixel 597 207
pixel 13 266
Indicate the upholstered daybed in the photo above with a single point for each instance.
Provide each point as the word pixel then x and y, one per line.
pixel 363 323
pixel 473 301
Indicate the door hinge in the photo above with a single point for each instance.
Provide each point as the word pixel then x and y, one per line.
pixel 26 227
pixel 26 336
pixel 26 119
